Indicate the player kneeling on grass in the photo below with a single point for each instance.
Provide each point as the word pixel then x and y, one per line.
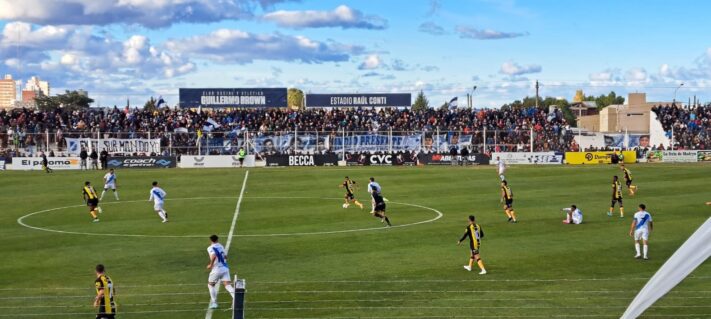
pixel 219 271
pixel 573 215
pixel 640 229
pixel 475 234
pixel 158 198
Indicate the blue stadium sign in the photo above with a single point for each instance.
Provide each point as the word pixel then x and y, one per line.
pixel 234 97
pixel 359 100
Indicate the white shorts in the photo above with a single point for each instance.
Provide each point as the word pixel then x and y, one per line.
pixel 641 234
pixel 577 219
pixel 219 274
pixel 158 206
pixel 502 171
pixel 111 186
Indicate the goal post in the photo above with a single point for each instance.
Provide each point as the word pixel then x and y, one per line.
pixel 238 301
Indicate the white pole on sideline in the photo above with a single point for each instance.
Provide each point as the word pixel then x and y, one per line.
pixel 690 255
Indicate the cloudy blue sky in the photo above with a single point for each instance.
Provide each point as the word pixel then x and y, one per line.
pixel 117 49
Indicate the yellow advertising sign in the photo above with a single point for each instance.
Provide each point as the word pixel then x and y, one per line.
pixel 598 157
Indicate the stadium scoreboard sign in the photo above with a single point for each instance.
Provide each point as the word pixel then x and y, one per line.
pixel 233 97
pixel 359 100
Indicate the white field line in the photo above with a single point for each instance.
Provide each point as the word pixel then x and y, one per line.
pixel 208 313
pixel 404 281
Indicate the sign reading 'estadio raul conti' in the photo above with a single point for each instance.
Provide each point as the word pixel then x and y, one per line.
pixel 234 97
pixel 357 100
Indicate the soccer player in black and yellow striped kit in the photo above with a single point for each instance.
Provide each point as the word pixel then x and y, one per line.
pixel 475 234
pixel 616 197
pixel 628 180
pixel 104 299
pixel 92 200
pixel 350 186
pixel 507 198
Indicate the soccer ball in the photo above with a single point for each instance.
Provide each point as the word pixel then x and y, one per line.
pixel 345 205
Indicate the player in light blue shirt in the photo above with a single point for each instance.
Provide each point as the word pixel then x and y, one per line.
pixel 641 227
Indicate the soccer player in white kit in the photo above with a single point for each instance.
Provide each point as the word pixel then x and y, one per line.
pixel 502 168
pixel 573 215
pixel 158 197
pixel 219 270
pixel 110 182
pixel 641 227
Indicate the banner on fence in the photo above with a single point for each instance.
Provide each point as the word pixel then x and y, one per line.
pixel 233 97
pixel 214 161
pixel 2 164
pixel 113 145
pixel 35 163
pixel 142 162
pixel 285 143
pixel 443 142
pixel 303 160
pixel 626 140
pixel 598 157
pixel 446 159
pixel 528 158
pixel 672 156
pixel 381 159
pixel 376 143
pixel 704 156
pixel 359 100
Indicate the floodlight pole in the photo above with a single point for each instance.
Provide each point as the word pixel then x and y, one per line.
pixel 677 89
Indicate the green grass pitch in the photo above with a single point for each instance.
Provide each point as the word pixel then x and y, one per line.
pixel 538 268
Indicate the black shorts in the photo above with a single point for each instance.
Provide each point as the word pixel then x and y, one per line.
pixel 628 182
pixel 380 207
pixel 509 203
pixel 92 202
pixel 106 316
pixel 618 200
pixel 475 251
pixel 241 160
pixel 350 196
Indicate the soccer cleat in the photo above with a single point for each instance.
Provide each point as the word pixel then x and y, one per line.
pixel 510 219
pixel 165 221
pixel 95 220
pixel 482 272
pixel 213 305
pixel 645 258
pixel 468 268
pixel 609 214
pixel 637 256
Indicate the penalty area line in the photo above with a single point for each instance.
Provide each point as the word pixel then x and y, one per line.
pixel 208 314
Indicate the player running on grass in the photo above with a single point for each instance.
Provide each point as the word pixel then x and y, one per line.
pixel 616 197
pixel 110 182
pixel 92 201
pixel 641 227
pixel 475 234
pixel 219 270
pixel 501 168
pixel 507 199
pixel 628 180
pixel 378 201
pixel 158 198
pixel 350 186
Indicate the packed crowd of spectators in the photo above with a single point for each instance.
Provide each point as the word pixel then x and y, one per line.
pixel 182 129
pixel 689 126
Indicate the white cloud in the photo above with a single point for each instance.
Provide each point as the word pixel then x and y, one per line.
pixel 636 75
pixel 467 32
pixel 341 17
pixel 235 46
pixel 514 69
pixel 371 62
pixel 148 13
pixel 431 28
